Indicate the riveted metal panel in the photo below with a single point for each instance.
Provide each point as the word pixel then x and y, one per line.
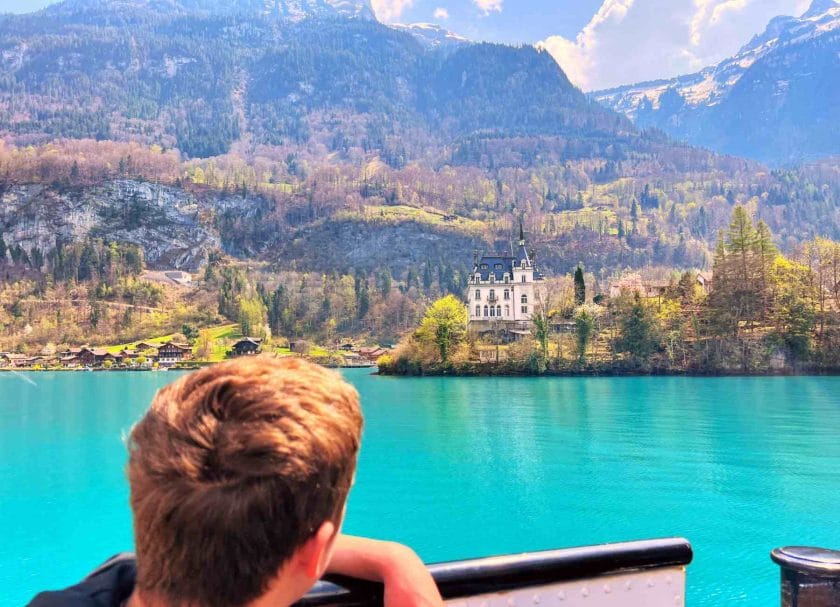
pixel 654 588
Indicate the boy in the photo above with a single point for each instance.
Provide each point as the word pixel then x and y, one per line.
pixel 239 475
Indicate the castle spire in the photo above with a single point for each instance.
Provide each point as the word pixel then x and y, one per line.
pixel 521 234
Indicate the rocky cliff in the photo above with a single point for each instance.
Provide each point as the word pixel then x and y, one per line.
pixel 175 228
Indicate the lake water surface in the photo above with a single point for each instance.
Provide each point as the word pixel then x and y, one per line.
pixel 467 467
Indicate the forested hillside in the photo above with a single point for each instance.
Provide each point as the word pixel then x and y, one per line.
pixel 200 80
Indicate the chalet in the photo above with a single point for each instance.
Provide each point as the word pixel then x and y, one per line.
pixel 502 291
pixel 143 346
pixel 247 346
pixel 172 353
pixel 95 357
pixel 14 360
pixel 372 354
pixel 71 361
pixel 634 283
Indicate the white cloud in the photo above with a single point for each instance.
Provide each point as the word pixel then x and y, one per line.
pixel 629 41
pixel 441 13
pixel 489 6
pixel 389 11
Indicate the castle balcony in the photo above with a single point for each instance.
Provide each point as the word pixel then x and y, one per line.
pixel 493 298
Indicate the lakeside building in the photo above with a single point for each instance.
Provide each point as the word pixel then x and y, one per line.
pixel 502 292
pixel 172 353
pixel 247 346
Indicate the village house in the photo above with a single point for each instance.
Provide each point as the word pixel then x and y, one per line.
pixel 652 288
pixel 95 357
pixel 502 291
pixel 372 354
pixel 171 353
pixel 144 346
pixel 70 361
pixel 14 361
pixel 247 346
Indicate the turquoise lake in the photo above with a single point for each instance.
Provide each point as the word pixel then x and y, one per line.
pixel 472 467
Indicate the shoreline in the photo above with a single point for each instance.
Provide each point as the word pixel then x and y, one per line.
pixel 615 373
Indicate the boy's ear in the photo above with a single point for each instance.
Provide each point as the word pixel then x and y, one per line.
pixel 314 556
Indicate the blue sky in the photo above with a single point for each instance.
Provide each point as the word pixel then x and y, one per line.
pixel 599 43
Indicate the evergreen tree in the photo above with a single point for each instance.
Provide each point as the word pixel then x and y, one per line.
pixel 580 287
pixel 428 277
pixel 638 331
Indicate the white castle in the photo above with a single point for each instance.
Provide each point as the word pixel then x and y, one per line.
pixel 502 294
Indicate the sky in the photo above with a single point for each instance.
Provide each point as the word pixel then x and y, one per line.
pixel 598 43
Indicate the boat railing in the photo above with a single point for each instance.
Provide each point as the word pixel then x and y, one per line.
pixel 810 576
pixel 649 573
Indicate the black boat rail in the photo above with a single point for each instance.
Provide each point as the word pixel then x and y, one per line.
pixel 459 579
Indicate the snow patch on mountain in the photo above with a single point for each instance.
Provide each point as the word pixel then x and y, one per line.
pixel 431 36
pixel 709 86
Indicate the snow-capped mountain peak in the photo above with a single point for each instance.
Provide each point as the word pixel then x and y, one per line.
pixel 819 8
pixel 710 85
pixel 431 35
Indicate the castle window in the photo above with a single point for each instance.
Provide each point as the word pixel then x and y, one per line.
pixel 498 266
pixel 522 264
pixel 507 310
pixel 524 278
pixel 484 266
pixel 507 294
pixel 492 294
pixel 492 278
pixel 524 309
pixel 524 298
pixel 492 311
pixel 478 311
pixel 477 294
pixel 507 278
pixel 486 313
pixel 499 311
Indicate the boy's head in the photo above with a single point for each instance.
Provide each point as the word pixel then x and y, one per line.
pixel 238 472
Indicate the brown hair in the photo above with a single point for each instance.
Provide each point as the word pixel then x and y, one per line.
pixel 231 470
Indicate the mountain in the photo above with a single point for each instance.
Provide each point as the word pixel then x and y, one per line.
pixel 777 100
pixel 202 75
pixel 294 10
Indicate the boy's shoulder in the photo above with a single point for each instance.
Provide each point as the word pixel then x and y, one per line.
pixel 109 585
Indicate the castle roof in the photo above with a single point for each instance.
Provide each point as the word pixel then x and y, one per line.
pixel 497 264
